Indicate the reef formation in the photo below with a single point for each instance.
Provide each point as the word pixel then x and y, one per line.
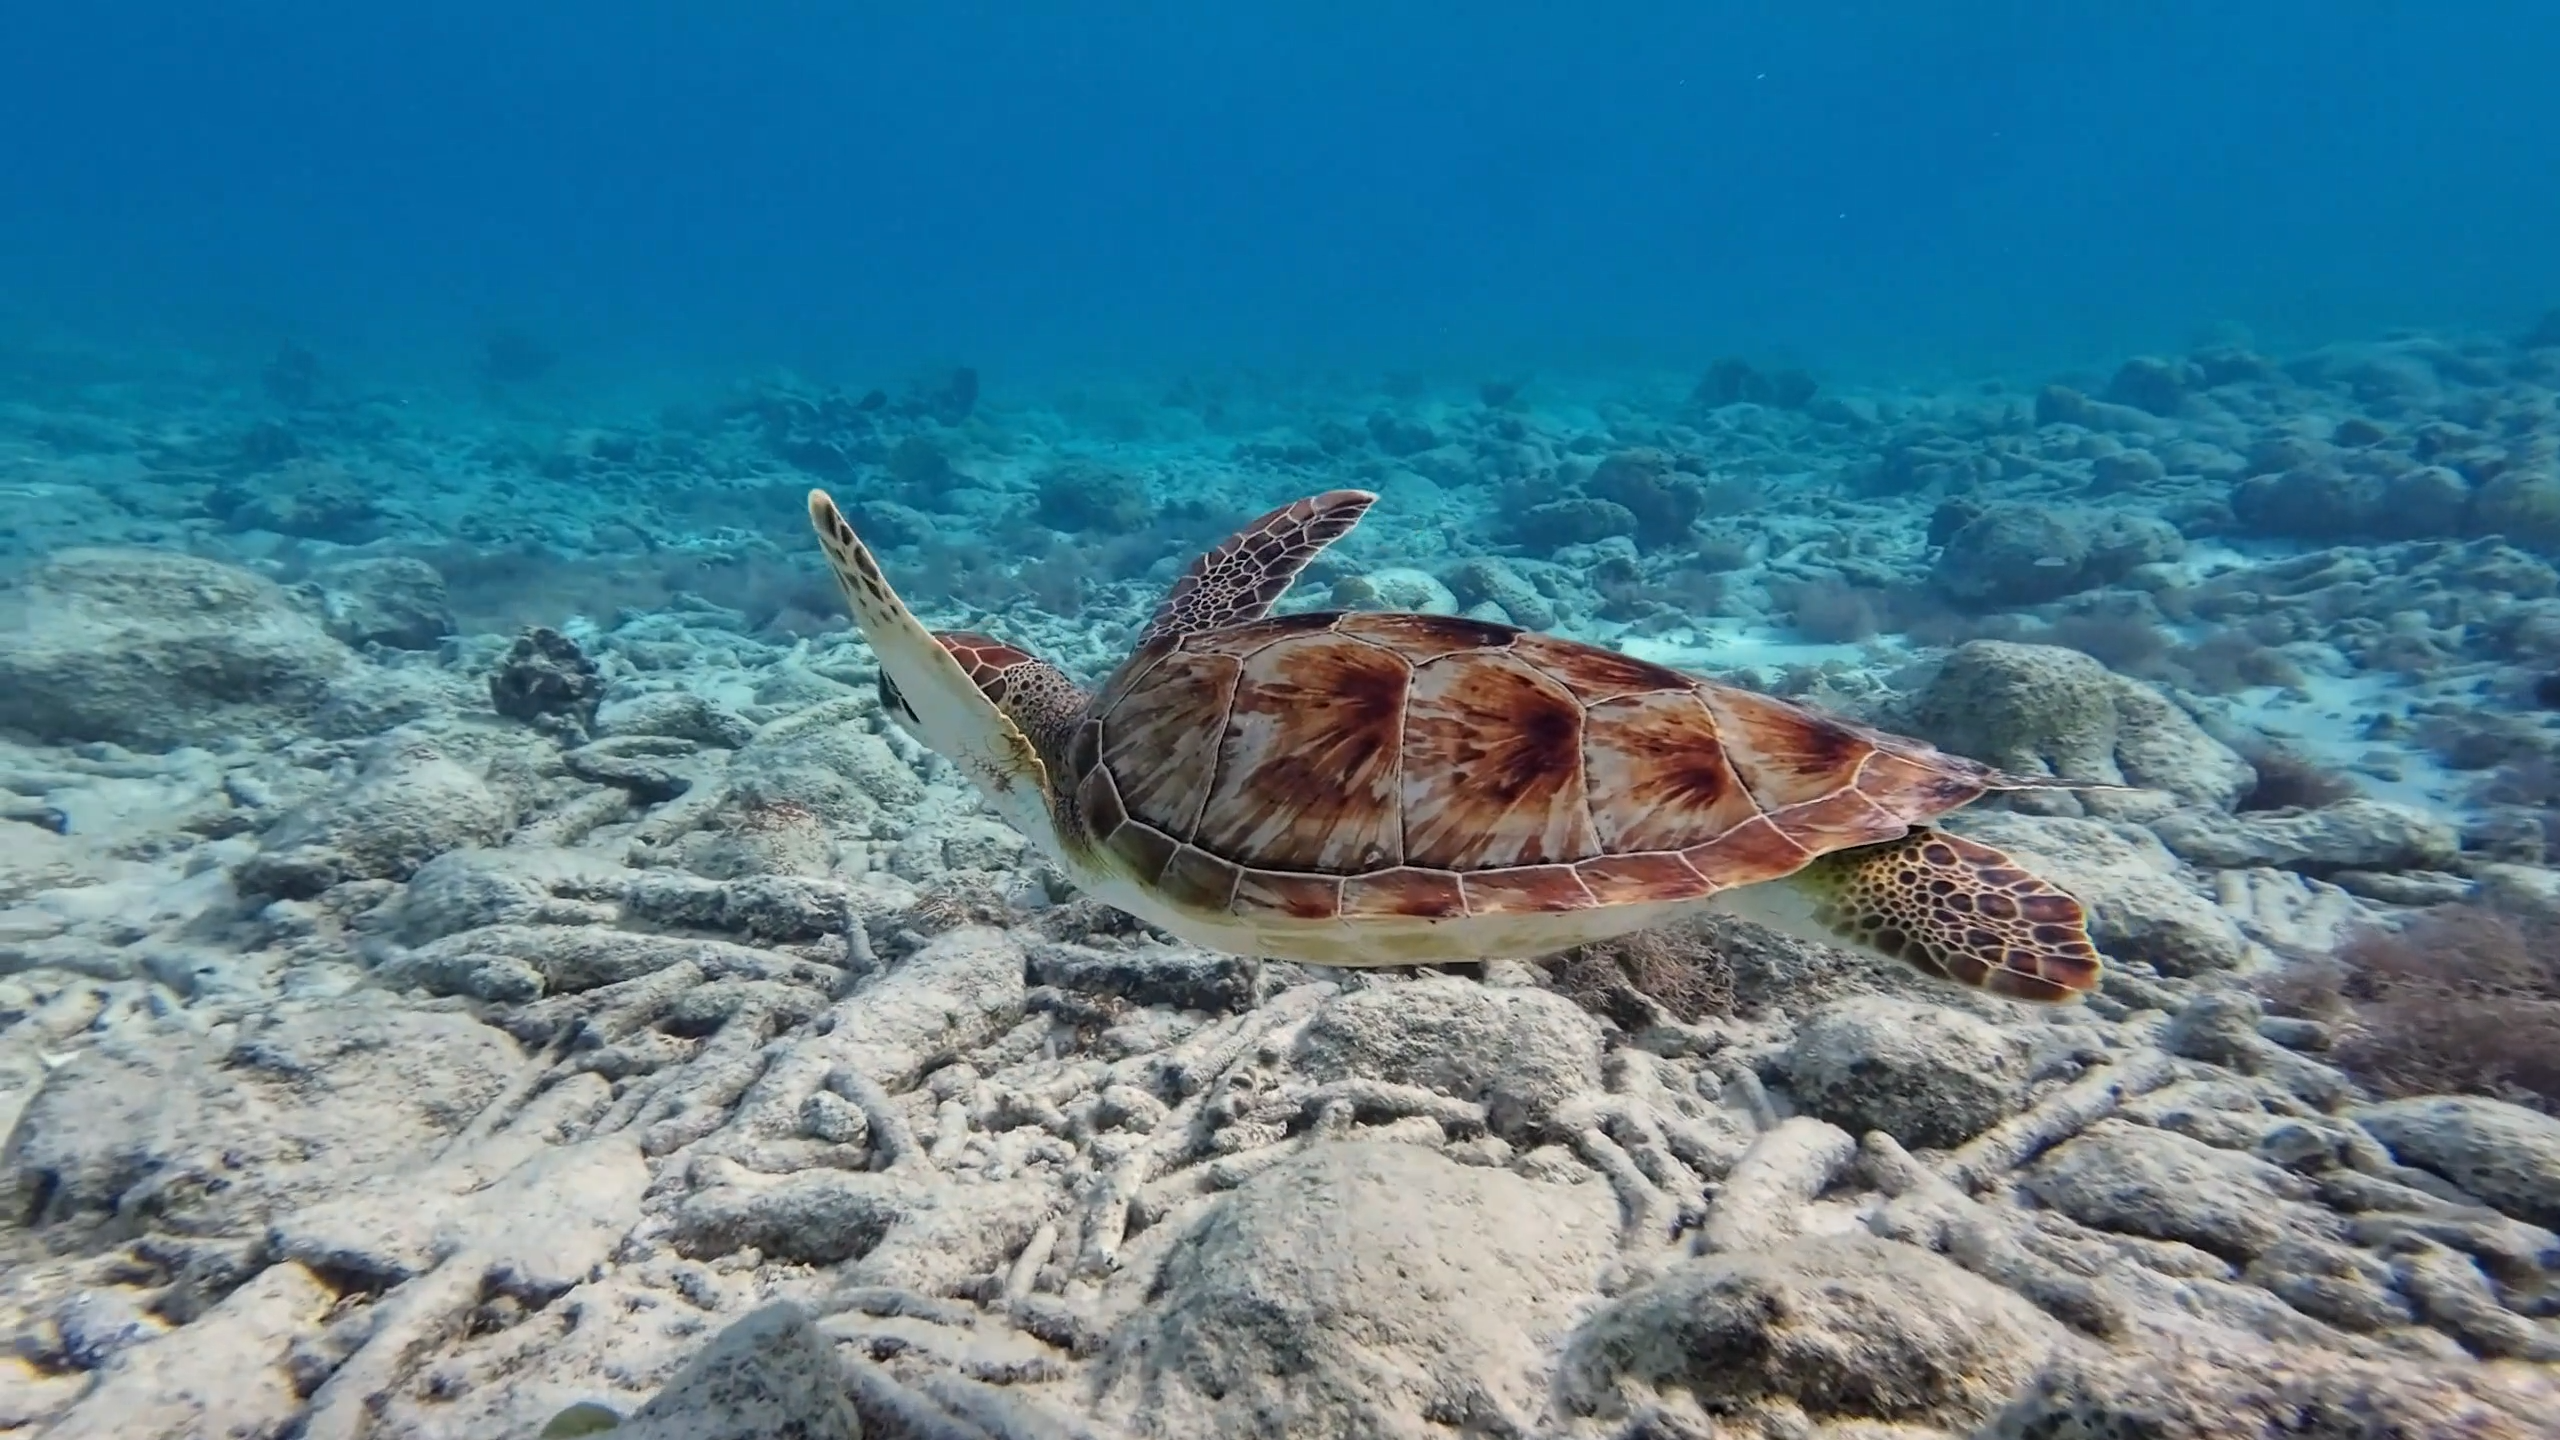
pixel 475 959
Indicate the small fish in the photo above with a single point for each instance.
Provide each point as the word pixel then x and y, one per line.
pixel 2051 562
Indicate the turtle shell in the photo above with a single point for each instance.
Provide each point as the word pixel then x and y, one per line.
pixel 1348 766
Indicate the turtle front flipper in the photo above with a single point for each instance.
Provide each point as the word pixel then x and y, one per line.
pixel 1247 574
pixel 940 703
pixel 1944 905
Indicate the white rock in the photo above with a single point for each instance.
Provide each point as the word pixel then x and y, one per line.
pixel 2045 710
pixel 770 1374
pixel 1922 1073
pixel 1520 1053
pixel 1851 1332
pixel 2505 1154
pixel 2355 833
pixel 1400 588
pixel 2141 906
pixel 155 648
pixel 223 1375
pixel 1358 1289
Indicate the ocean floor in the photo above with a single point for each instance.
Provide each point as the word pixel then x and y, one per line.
pixel 475 957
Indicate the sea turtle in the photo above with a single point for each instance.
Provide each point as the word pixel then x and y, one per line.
pixel 1397 789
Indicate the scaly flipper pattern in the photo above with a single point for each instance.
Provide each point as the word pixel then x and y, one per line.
pixel 1247 574
pixel 1959 910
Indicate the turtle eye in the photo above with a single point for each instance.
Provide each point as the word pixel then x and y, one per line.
pixel 896 704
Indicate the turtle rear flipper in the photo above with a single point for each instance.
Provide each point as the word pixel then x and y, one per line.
pixel 1946 906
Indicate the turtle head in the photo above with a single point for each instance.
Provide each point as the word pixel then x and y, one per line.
pixel 964 696
pixel 1034 694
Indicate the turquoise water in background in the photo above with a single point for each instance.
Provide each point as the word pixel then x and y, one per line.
pixel 471 928
pixel 1868 189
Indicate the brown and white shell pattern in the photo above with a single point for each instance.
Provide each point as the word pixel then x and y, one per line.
pixel 1356 766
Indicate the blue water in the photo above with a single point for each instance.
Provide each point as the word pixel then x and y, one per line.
pixel 408 595
pixel 1865 187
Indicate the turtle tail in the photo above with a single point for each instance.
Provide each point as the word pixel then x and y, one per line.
pixel 2002 780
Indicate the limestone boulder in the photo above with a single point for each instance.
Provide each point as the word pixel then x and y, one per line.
pixel 154 649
